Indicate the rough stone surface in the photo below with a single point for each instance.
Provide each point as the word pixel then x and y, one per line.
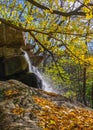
pixel 21 98
pixel 30 79
pixel 12 65
pixel 17 105
pixel 9 51
pixel 11 59
pixel 10 36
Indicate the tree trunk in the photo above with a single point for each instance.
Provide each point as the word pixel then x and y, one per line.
pixel 84 86
pixel 92 95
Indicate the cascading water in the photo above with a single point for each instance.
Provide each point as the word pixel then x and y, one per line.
pixel 46 86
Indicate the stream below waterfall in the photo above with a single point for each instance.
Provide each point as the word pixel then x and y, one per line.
pixel 45 83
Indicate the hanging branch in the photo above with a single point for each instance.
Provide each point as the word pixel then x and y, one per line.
pixel 62 78
pixel 9 23
pixel 12 9
pixel 22 11
pixel 77 11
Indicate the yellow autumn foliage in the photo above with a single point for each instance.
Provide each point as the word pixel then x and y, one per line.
pixel 10 92
pixel 52 117
pixel 18 111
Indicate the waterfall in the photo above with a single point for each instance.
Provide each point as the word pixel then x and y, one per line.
pixel 28 61
pixel 46 85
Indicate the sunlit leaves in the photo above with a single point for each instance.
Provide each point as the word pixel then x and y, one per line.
pixel 19 6
pixel 89 15
pixel 78 51
pixel 29 19
pixel 88 10
pixel 86 2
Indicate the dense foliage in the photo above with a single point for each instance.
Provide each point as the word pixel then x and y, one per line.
pixel 61 31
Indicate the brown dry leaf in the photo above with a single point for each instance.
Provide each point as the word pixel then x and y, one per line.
pixel 10 92
pixel 51 117
pixel 18 111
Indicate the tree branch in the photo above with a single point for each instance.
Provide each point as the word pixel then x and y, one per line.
pixel 9 23
pixel 62 78
pixel 66 14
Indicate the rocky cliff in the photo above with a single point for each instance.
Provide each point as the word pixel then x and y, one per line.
pixel 12 60
pixel 13 64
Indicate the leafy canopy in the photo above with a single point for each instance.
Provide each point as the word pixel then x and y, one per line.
pixel 59 27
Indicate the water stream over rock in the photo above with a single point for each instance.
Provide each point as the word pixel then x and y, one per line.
pixel 46 85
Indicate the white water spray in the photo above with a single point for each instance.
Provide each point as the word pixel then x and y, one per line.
pixel 46 86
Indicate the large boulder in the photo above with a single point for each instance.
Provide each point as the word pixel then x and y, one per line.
pixel 9 51
pixel 27 108
pixel 11 40
pixel 1 67
pixel 15 109
pixel 11 37
pixel 31 79
pixel 12 65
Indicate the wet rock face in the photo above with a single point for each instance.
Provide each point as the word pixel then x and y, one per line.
pixel 17 68
pixel 1 67
pixel 31 79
